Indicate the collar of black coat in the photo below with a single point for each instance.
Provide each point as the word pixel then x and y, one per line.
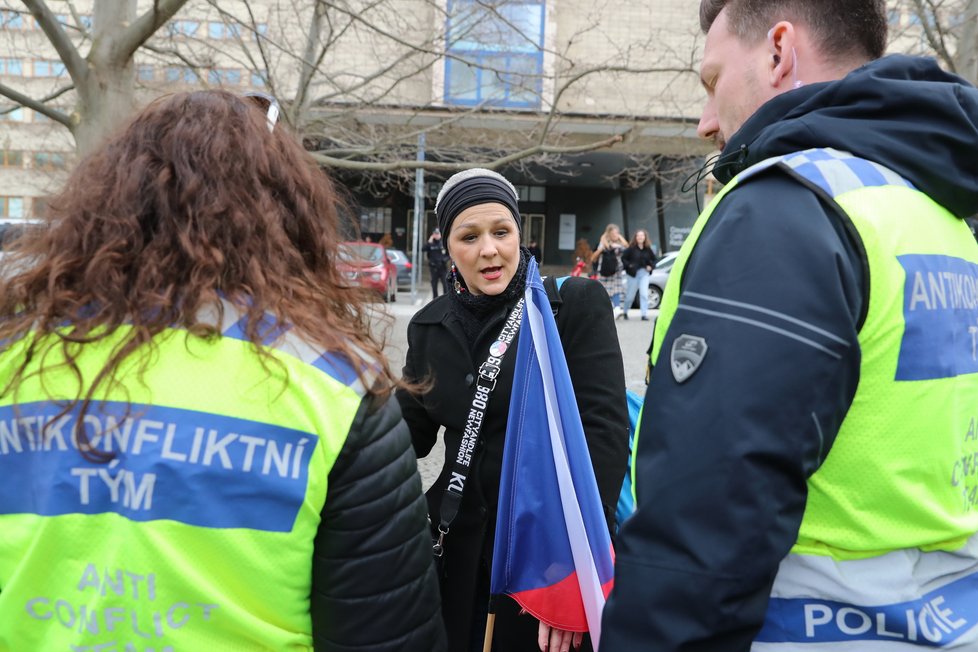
pixel 439 309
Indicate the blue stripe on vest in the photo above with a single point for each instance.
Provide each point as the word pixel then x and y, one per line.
pixel 182 465
pixel 833 171
pixel 937 619
pixel 840 172
pixel 268 330
pixel 335 365
pixel 940 310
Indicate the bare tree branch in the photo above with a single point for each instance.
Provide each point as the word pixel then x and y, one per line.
pixel 144 27
pixel 72 60
pixel 39 106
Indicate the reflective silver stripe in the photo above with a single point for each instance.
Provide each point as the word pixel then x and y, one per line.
pixel 760 324
pixel 294 345
pixel 921 593
pixel 767 311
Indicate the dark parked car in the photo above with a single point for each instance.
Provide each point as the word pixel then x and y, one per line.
pixel 367 264
pixel 400 260
pixel 13 228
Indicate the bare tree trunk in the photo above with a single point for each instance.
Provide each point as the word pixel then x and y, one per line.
pixel 106 98
pixel 966 60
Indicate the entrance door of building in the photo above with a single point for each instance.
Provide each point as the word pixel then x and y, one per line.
pixel 534 228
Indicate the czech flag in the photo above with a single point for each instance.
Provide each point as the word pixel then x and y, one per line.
pixel 552 552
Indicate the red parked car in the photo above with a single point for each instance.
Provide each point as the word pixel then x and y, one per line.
pixel 368 265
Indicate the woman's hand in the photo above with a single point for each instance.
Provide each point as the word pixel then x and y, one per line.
pixel 551 639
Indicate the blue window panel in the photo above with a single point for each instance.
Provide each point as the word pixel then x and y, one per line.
pixel 43 68
pixel 180 73
pixel 11 20
pixel 12 207
pixel 498 53
pixel 12 67
pixel 183 27
pixel 257 80
pixel 146 73
pixel 6 115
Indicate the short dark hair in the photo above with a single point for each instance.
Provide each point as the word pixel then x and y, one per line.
pixel 843 29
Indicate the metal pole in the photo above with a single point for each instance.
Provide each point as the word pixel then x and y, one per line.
pixel 418 221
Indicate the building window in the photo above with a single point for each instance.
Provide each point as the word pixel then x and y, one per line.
pixel 47 68
pixel 222 31
pixel 258 80
pixel 532 193
pixel 11 20
pixel 146 73
pixel 84 20
pixel 496 53
pixel 40 117
pixel 10 114
pixel 11 158
pixel 39 207
pixel 182 27
pixel 181 73
pixel 374 219
pixel 224 76
pixel 11 206
pixel 12 67
pixel 49 161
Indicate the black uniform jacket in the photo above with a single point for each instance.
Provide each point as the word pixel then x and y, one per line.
pixel 438 351
pixel 723 458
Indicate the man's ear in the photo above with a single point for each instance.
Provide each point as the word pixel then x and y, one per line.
pixel 783 66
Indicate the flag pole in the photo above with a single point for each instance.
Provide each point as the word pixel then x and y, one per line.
pixel 490 624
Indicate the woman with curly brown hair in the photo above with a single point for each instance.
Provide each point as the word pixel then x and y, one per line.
pixel 197 440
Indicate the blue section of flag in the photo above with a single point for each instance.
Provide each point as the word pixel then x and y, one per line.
pixel 936 619
pixel 533 543
pixel 940 309
pixel 193 467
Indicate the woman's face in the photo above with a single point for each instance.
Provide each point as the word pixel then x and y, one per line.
pixel 613 233
pixel 484 243
pixel 640 238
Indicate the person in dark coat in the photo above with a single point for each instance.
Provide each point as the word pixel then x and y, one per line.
pixel 437 262
pixel 447 341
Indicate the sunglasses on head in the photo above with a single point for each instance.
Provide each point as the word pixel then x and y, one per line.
pixel 266 103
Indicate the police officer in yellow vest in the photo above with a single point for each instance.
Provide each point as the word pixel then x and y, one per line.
pixel 807 464
pixel 198 449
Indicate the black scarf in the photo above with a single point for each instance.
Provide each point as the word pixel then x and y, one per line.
pixel 472 311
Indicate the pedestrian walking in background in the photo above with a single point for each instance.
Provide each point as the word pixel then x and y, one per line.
pixel 610 269
pixel 200 443
pixel 801 460
pixel 437 262
pixel 638 260
pixel 534 250
pixel 448 341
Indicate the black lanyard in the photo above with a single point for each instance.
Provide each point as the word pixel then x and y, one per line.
pixel 485 382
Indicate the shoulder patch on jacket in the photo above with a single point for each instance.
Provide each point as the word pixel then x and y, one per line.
pixel 688 352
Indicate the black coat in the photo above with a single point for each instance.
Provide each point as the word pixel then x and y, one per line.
pixel 438 350
pixel 636 258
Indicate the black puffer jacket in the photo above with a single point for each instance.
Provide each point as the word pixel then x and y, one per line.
pixel 438 350
pixel 373 584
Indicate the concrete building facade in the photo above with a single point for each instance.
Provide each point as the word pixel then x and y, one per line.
pixel 361 81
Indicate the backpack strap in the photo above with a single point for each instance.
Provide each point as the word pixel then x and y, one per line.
pixel 552 286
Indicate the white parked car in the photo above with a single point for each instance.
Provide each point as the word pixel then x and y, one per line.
pixel 659 276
